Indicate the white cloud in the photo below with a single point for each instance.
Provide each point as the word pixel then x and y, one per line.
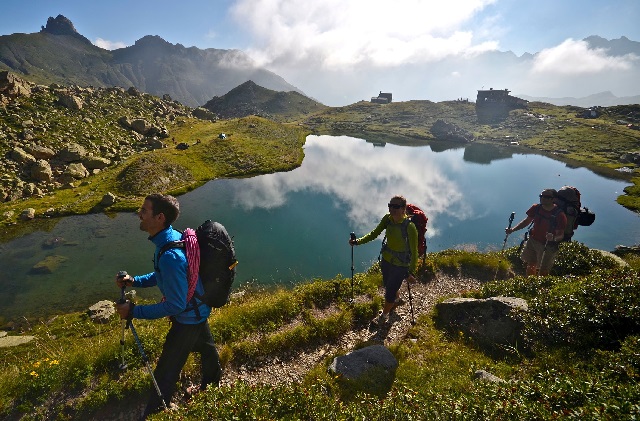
pixel 109 45
pixel 341 33
pixel 575 57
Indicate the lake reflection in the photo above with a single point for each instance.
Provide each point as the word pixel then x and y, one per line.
pixel 295 225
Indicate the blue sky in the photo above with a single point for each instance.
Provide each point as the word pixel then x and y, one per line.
pixel 348 39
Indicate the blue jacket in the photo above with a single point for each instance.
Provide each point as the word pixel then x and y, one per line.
pixel 171 278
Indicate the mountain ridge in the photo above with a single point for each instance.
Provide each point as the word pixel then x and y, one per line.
pixel 600 99
pixel 59 54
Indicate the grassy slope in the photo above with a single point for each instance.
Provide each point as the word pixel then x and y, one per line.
pixel 71 369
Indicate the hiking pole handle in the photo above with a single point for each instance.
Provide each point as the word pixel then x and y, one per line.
pixel 352 236
pixel 122 274
pixel 513 215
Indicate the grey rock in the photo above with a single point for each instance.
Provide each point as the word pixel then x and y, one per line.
pixel 41 171
pixel 72 153
pixel 101 311
pixel 28 214
pixel 108 199
pixel 492 323
pixel 357 363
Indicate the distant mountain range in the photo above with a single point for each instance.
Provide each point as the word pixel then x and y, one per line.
pixel 59 54
pixel 602 99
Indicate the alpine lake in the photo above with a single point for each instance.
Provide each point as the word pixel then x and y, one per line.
pixel 294 226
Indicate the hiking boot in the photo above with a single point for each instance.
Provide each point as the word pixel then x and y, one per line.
pixel 397 303
pixel 192 391
pixel 382 318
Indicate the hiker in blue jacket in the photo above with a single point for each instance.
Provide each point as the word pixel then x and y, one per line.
pixel 189 330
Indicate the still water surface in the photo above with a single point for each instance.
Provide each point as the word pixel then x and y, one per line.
pixel 295 225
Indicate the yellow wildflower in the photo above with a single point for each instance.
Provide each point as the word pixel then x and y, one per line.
pixel 54 362
pixel 36 364
pixel 34 374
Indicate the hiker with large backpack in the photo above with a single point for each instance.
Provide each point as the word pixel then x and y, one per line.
pixel 568 199
pixel 541 247
pixel 399 253
pixel 189 330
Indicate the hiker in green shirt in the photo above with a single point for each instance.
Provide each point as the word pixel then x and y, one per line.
pixel 399 252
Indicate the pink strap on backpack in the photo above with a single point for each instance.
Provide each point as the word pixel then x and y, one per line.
pixel 193 260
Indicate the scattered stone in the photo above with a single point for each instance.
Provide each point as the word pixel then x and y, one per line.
pixel 488 377
pixel 53 242
pixel 108 200
pixel 28 214
pixel 9 341
pixel 101 311
pixel 72 153
pixel 41 171
pixel 71 102
pixel 49 265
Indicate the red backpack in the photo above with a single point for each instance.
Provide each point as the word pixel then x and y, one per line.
pixel 419 219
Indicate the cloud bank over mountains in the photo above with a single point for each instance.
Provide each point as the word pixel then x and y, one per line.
pixel 340 51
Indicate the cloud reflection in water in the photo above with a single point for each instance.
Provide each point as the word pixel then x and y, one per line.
pixel 362 178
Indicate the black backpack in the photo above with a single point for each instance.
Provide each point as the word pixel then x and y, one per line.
pixel 568 199
pixel 217 262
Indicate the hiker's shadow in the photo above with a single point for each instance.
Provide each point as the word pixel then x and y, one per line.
pixel 380 331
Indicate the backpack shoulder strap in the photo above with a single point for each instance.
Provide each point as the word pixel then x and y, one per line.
pixel 179 244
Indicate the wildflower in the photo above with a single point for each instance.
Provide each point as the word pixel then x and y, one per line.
pixel 34 374
pixel 54 362
pixel 36 364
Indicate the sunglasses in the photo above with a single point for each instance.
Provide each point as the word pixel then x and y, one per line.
pixel 394 206
pixel 546 196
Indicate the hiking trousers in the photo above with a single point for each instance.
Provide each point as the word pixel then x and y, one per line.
pixel 392 277
pixel 181 340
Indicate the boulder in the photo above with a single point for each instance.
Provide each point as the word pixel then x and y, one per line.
pixel 492 323
pixel 21 156
pixel 12 86
pixel 28 214
pixel 40 152
pixel 95 162
pixel 41 171
pixel 69 101
pixel 101 312
pixel 140 125
pixel 108 200
pixel 72 153
pixel 371 369
pixel 76 170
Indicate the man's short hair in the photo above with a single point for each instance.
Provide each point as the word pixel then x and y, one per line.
pixel 165 204
pixel 550 192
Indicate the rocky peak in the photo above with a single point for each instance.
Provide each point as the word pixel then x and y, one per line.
pixel 59 26
pixel 62 26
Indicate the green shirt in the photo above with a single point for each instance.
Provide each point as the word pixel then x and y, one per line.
pixel 396 241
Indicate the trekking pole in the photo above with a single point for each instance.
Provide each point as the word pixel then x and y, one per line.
pixel 353 238
pixel 413 320
pixel 123 365
pixel 145 359
pixel 544 251
pixel 513 215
